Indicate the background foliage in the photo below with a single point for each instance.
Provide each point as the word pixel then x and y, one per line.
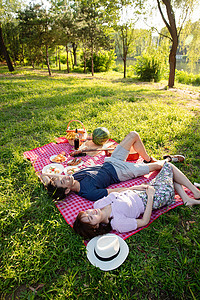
pixel 38 35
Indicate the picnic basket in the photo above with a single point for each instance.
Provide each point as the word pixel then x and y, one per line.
pixel 72 132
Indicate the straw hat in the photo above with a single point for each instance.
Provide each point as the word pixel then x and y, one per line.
pixel 107 252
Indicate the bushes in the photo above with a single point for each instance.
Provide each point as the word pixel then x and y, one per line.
pixel 102 60
pixel 148 68
pixel 186 78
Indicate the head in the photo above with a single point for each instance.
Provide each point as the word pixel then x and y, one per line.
pixel 88 225
pixel 59 187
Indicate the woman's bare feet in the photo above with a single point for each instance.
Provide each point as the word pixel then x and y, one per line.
pixel 190 201
pixel 196 193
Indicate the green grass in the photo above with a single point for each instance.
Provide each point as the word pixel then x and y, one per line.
pixel 37 246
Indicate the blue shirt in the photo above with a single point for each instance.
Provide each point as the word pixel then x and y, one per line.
pixel 94 181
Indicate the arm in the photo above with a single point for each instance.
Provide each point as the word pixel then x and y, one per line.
pixel 147 214
pixel 141 187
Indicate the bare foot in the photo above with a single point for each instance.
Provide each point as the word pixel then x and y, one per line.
pixel 197 195
pixel 190 201
pixel 153 159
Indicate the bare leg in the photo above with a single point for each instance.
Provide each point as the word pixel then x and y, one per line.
pixel 133 140
pixel 156 165
pixel 180 178
pixel 186 199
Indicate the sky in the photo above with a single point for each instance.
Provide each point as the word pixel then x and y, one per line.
pixel 156 19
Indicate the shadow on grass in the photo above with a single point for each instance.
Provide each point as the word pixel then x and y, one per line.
pixel 38 245
pixel 35 235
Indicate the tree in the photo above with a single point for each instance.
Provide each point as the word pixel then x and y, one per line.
pixel 12 40
pixel 125 28
pixel 185 6
pixel 7 10
pixel 65 29
pixel 5 52
pixel 36 25
pixel 66 17
pixel 124 38
pixel 93 29
pixel 30 33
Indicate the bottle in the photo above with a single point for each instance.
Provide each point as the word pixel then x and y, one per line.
pixel 76 140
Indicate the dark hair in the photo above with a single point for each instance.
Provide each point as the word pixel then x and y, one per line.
pixel 88 231
pixel 55 192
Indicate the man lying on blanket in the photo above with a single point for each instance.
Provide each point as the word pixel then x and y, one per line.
pixel 92 182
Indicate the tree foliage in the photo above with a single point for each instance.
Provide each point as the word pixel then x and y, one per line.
pixel 90 25
pixel 167 10
pixel 190 42
pixel 8 9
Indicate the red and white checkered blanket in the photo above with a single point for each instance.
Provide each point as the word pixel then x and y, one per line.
pixel 73 203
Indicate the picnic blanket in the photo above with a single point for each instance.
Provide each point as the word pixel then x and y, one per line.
pixel 73 203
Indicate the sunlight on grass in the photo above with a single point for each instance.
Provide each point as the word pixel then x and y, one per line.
pixel 38 246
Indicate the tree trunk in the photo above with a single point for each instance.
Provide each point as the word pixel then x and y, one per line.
pixel 47 59
pixel 72 60
pixel 56 57
pixel 5 52
pixel 14 61
pixel 92 62
pixel 85 62
pixel 124 60
pixel 74 46
pixel 22 55
pixel 171 26
pixel 67 59
pixel 172 64
pixel 59 59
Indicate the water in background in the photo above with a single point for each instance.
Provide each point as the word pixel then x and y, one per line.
pixel 180 65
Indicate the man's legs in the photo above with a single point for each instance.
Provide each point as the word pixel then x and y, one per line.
pixel 133 140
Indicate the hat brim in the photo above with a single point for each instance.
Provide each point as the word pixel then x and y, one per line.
pixel 107 265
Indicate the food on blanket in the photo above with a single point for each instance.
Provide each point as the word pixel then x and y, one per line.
pixel 74 162
pixel 72 170
pixel 63 153
pixel 70 135
pixel 53 170
pixel 59 158
pixel 100 135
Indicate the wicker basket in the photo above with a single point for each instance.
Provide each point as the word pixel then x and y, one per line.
pixel 71 133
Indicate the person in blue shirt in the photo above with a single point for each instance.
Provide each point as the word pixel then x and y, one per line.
pixel 92 183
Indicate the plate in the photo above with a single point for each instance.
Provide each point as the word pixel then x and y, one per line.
pixel 75 165
pixel 53 169
pixel 70 170
pixel 53 156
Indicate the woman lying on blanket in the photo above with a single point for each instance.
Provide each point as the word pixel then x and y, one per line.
pixel 120 211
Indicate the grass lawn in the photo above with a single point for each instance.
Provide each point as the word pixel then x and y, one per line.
pixel 41 257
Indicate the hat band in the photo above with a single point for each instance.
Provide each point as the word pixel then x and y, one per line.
pixel 106 258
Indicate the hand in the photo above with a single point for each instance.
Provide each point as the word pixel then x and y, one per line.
pixel 44 178
pixel 144 186
pixel 141 187
pixel 150 191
